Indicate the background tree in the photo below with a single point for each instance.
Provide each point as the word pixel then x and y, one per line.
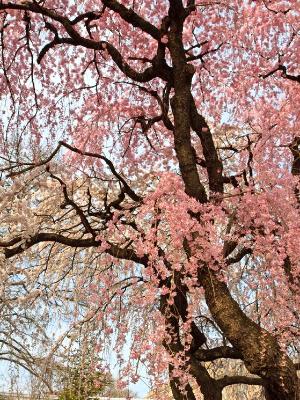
pixel 123 190
pixel 82 380
pixel 81 375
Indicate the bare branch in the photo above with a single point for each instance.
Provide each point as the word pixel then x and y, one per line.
pixel 158 69
pixel 284 74
pixel 75 206
pixel 238 380
pixel 133 18
pixel 216 353
pixel 127 188
pixel 113 250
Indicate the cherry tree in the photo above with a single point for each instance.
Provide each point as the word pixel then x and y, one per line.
pixel 150 171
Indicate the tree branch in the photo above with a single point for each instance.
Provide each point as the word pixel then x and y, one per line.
pixel 158 69
pixel 113 250
pixel 133 18
pixel 239 379
pixel 127 189
pixel 284 74
pixel 78 210
pixel 213 164
pixel 216 353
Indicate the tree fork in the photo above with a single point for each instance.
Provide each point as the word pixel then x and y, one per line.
pixel 260 350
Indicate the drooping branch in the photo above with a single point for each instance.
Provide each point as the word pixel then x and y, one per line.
pixel 6 357
pixel 223 307
pixel 127 189
pixel 276 11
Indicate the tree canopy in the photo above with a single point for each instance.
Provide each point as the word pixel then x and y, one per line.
pixel 150 183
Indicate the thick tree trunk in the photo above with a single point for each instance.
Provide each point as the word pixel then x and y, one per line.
pixel 260 351
pixel 209 387
pixel 211 393
pixel 272 394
